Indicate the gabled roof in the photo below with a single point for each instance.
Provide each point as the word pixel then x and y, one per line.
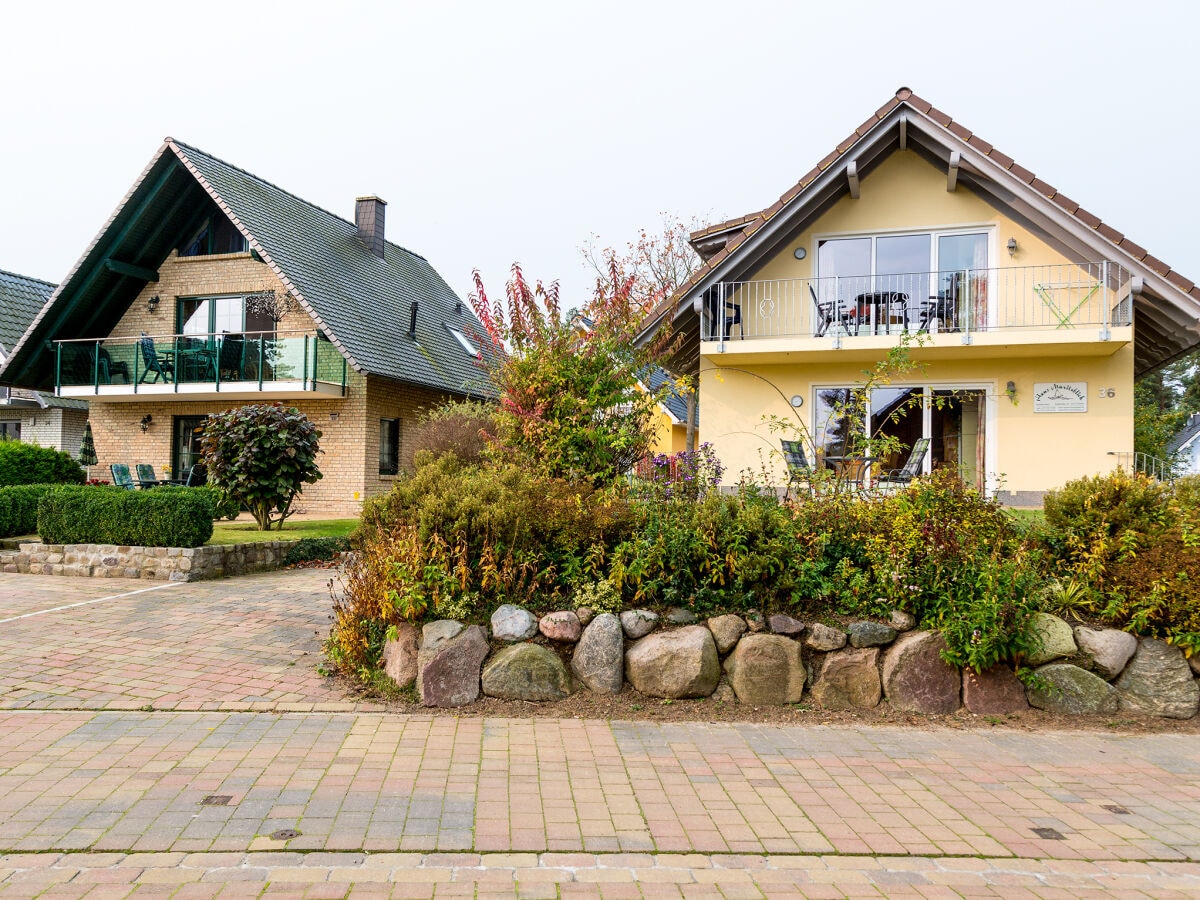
pixel 21 299
pixel 1184 436
pixel 361 302
pixel 1167 323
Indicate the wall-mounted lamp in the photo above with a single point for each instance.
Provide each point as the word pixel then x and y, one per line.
pixel 152 303
pixel 1012 246
pixel 147 419
pixel 1010 391
pixel 797 401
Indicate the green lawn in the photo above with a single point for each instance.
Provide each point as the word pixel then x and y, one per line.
pixel 247 532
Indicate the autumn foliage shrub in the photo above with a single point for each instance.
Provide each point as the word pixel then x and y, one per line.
pixel 461 427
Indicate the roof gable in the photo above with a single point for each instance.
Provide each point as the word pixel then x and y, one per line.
pixel 1168 311
pixel 363 303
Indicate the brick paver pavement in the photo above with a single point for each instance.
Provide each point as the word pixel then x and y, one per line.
pixel 99 799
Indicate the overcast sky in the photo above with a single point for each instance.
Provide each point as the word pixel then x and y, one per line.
pixel 511 131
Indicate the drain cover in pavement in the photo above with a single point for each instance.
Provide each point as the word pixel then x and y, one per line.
pixel 284 834
pixel 1119 810
pixel 216 800
pixel 1049 834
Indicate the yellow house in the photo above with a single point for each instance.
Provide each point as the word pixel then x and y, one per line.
pixel 1028 317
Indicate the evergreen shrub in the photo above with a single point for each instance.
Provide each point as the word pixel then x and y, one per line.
pixel 160 517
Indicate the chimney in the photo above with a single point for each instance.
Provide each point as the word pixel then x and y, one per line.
pixel 368 217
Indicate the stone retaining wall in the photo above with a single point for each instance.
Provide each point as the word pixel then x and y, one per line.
pixel 779 660
pixel 153 563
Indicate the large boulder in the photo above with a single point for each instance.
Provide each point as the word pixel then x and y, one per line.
pixel 1074 691
pixel 678 615
pixel 400 655
pixel 526 672
pixel 599 660
pixel 995 692
pixel 511 623
pixel 766 670
pixel 726 630
pixel 1158 681
pixel 638 622
pixel 561 626
pixel 902 621
pixel 824 638
pixel 870 634
pixel 1056 639
pixel 674 664
pixel 434 636
pixel 448 673
pixel 848 679
pixel 916 679
pixel 1109 649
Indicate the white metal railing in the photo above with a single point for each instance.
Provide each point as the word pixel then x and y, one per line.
pixel 1054 298
pixel 1153 466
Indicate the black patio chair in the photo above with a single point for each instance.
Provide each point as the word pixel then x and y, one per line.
pixel 942 308
pixel 159 365
pixel 231 361
pixel 826 313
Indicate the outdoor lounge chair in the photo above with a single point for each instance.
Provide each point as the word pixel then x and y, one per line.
pixel 110 367
pixel 159 365
pixel 910 470
pixel 942 309
pixel 231 360
pixel 826 313
pixel 121 476
pixel 798 466
pixel 146 477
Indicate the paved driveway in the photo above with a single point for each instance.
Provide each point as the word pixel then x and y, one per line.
pixel 249 643
pixel 251 776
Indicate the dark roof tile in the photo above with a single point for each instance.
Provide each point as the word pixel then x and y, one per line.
pixel 21 299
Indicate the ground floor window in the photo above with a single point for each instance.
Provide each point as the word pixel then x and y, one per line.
pixel 185 444
pixel 953 419
pixel 10 430
pixel 389 446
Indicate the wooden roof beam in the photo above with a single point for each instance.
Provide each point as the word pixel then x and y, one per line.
pixel 123 268
pixel 952 172
pixel 852 177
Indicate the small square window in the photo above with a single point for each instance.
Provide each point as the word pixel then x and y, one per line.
pixel 389 446
pixel 10 430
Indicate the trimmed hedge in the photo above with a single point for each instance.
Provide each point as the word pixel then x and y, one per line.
pixel 18 508
pixel 313 549
pixel 22 463
pixel 162 517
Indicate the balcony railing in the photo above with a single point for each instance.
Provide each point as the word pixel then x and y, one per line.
pixel 199 363
pixel 1046 298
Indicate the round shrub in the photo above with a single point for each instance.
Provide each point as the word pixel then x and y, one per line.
pixel 461 428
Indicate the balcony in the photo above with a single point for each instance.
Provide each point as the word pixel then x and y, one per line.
pixel 1078 309
pixel 250 366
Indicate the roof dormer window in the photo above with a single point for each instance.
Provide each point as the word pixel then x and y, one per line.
pixel 471 349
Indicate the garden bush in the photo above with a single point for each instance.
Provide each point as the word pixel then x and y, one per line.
pixel 1155 591
pixel 18 508
pixel 315 549
pixel 161 517
pixel 461 428
pixel 22 463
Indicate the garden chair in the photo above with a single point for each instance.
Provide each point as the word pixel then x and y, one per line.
pixel 159 365
pixel 146 477
pixel 910 470
pixel 110 367
pixel 231 360
pixel 121 476
pixel 826 313
pixel 798 466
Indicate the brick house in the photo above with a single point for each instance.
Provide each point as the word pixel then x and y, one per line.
pixel 210 288
pixel 36 417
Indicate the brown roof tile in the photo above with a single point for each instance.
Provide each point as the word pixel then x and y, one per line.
pixel 1066 202
pixel 1184 284
pixel 1156 264
pixel 1021 172
pixel 1134 250
pixel 828 160
pixel 887 107
pixel 903 93
pixel 1042 187
pixel 1087 218
pixel 1107 231
pixel 1195 292
pixel 847 144
pixel 980 144
pixel 772 209
pixel 866 126
pixel 958 130
pixel 1001 159
pixel 919 105
pixel 938 116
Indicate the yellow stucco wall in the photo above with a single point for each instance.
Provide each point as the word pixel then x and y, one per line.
pixel 1026 451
